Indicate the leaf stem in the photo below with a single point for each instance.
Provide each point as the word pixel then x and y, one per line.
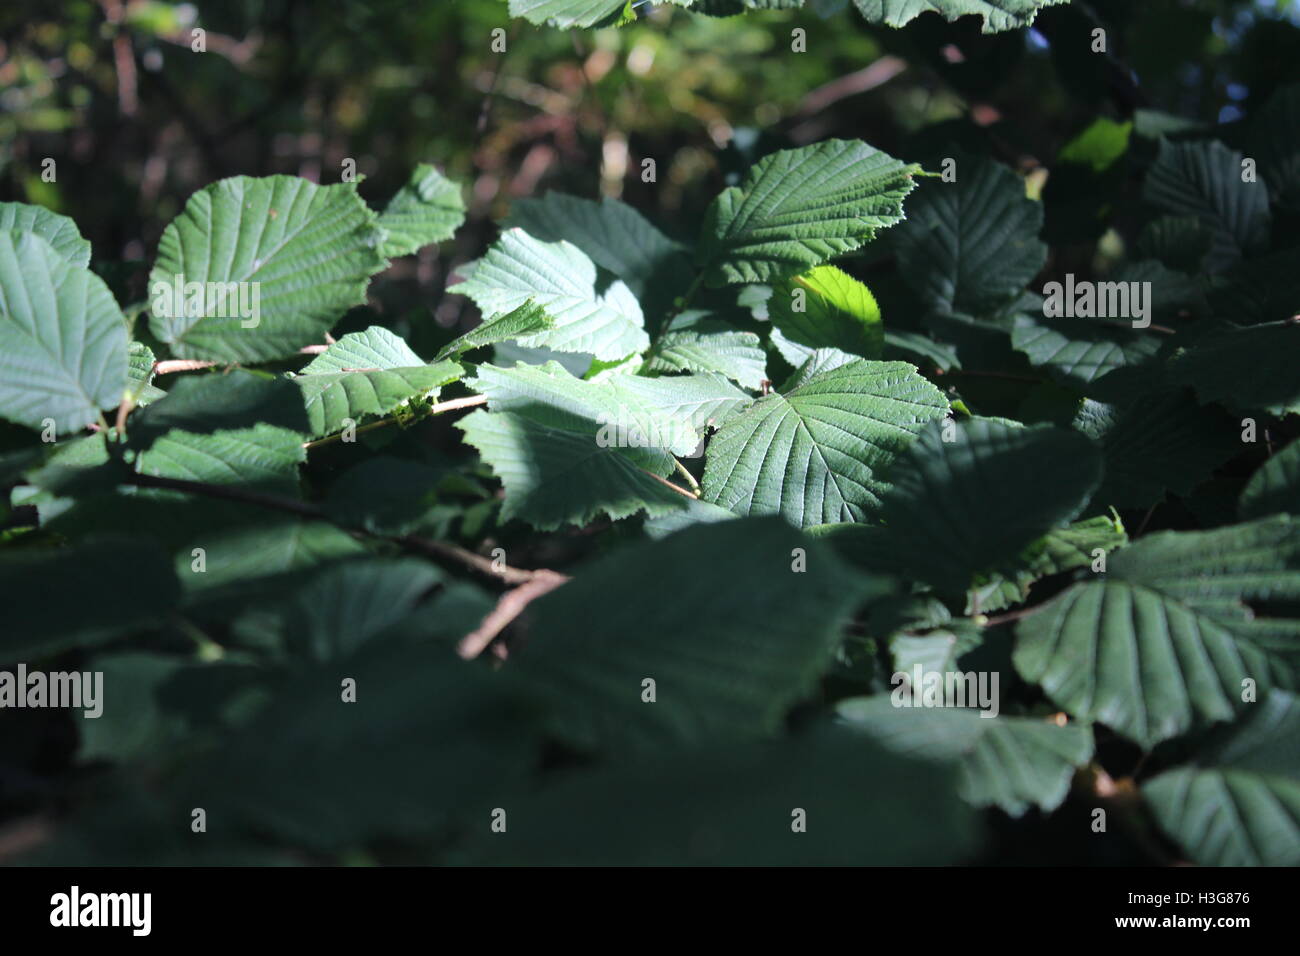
pixel 695 485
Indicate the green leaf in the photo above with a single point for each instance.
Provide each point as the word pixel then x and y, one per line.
pixel 1159 443
pixel 1077 352
pixel 1008 762
pixel 560 278
pixel 1204 179
pixel 615 237
pixel 1177 242
pixel 427 738
pixel 383 495
pixel 140 389
pixel 1248 369
pixel 366 373
pixel 62 338
pixel 133 725
pixel 568 13
pixel 1058 551
pixel 959 503
pixel 710 346
pixel 1239 803
pixel 815 453
pixel 526 321
pixel 1274 142
pixel 1275 487
pixel 347 605
pixel 734 805
pixel 427 210
pixel 730 651
pixel 299 256
pixel 247 550
pixel 1099 146
pixel 59 231
pixel 825 308
pixel 263 456
pixel 213 402
pixel 111 574
pixel 971 246
pixel 555 471
pixel 1162 643
pixel 998 15
pixel 798 208
pixel 644 412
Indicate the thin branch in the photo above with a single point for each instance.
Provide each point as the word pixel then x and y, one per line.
pixel 509 606
pixel 1012 615
pixel 448 406
pixel 123 409
pixel 677 488
pixel 180 365
pixel 441 550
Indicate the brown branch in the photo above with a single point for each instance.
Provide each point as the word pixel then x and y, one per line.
pixel 180 365
pixel 448 406
pixel 1012 615
pixel 677 488
pixel 509 606
pixel 442 551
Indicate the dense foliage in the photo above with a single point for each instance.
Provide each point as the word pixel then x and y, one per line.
pixel 636 561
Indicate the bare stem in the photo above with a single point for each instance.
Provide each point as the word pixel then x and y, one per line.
pixel 451 405
pixel 442 551
pixel 690 479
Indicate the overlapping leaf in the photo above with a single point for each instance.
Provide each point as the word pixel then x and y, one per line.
pixel 1206 180
pixel 998 15
pixel 366 373
pixel 825 308
pixel 1164 642
pixel 561 279
pixel 972 245
pixel 1008 762
pixel 278 259
pixel 815 453
pixel 711 346
pixel 1275 487
pixel 62 338
pixel 729 652
pixel 615 237
pixel 59 231
pixel 958 503
pixel 1239 803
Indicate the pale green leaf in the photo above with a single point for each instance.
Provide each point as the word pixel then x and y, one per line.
pixel 427 210
pixel 280 259
pixel 62 338
pixel 824 308
pixel 59 231
pixel 561 279
pixel 998 15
